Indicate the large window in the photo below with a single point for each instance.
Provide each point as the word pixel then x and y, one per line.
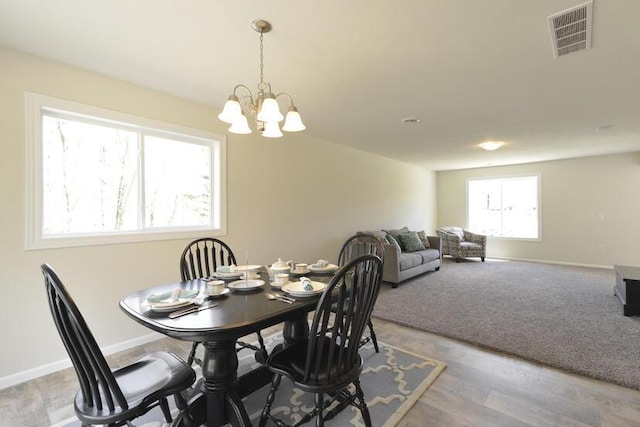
pixel 97 176
pixel 505 207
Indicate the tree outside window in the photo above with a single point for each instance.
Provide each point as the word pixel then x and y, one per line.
pixel 504 207
pixel 94 177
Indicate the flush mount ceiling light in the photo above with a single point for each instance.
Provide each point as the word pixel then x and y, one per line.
pixel 264 106
pixel 491 145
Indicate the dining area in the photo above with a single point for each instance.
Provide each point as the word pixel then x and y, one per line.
pixel 221 306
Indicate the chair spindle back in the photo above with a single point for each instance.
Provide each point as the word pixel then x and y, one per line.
pixel 342 313
pixel 97 383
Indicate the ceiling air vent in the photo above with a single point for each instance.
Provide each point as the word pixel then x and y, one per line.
pixel 571 29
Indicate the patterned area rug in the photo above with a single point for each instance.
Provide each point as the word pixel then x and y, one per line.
pixel 392 381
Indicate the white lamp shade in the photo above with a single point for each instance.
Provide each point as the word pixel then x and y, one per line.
pixel 231 112
pixel 240 126
pixel 293 123
pixel 270 111
pixel 272 130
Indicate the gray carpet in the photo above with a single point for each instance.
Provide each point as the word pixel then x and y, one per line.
pixel 561 316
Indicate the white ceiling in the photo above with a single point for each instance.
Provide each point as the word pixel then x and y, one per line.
pixel 470 70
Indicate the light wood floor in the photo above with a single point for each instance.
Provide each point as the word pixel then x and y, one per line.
pixel 478 388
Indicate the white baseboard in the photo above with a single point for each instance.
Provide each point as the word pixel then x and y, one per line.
pixel 17 378
pixel 542 261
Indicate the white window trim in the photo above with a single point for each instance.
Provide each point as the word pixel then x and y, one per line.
pixel 34 103
pixel 522 175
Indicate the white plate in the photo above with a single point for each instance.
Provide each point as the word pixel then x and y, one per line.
pixel 243 268
pixel 245 285
pixel 328 269
pixel 164 306
pixel 223 275
pixel 163 302
pixel 224 292
pixel 297 290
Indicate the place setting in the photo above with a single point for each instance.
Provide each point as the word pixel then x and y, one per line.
pixel 322 267
pixel 178 302
pixel 303 287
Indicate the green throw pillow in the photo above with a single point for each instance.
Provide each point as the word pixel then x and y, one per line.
pixel 411 242
pixel 394 242
pixel 424 239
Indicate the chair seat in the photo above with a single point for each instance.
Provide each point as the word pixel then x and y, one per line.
pixel 470 246
pixel 142 383
pixel 291 361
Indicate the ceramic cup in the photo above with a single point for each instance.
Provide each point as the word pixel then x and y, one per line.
pixel 250 275
pixel 302 268
pixel 281 279
pixel 214 287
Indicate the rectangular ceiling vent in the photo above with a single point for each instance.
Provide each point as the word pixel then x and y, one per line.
pixel 571 29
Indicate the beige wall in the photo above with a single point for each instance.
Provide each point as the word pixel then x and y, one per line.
pixel 586 203
pixel 295 198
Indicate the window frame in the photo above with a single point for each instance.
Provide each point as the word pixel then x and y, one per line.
pixel 35 104
pixel 538 176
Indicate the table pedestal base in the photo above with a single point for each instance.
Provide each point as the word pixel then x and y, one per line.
pixel 219 400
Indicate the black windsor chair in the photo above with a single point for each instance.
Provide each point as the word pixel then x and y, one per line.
pixel 329 361
pixel 114 398
pixel 355 246
pixel 201 258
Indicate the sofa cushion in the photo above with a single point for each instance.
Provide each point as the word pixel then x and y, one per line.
pixel 394 242
pixel 396 235
pixel 424 239
pixel 428 255
pixel 379 234
pixel 410 242
pixel 458 232
pixel 409 260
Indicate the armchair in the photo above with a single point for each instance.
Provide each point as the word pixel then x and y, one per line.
pixel 461 243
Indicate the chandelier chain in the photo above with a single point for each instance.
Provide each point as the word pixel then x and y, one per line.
pixel 261 85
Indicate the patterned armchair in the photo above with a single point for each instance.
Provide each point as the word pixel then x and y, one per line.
pixel 461 243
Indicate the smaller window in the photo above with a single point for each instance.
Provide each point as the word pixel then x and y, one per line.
pixel 505 207
pixel 97 177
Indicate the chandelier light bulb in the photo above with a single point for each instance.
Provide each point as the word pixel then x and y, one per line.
pixel 240 126
pixel 270 111
pixel 293 122
pixel 272 130
pixel 231 111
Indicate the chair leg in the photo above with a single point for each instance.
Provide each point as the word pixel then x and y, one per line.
pixel 374 339
pixel 182 405
pixel 263 350
pixel 164 406
pixel 319 405
pixel 362 405
pixel 266 411
pixel 482 259
pixel 192 354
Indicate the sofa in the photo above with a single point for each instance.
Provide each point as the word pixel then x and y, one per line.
pixel 402 260
pixel 460 243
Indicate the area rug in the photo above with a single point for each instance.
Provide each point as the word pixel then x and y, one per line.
pixel 562 316
pixel 392 381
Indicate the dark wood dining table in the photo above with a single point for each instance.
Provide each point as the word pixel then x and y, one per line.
pixel 217 400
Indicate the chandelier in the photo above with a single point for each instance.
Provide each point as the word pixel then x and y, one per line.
pixel 264 106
